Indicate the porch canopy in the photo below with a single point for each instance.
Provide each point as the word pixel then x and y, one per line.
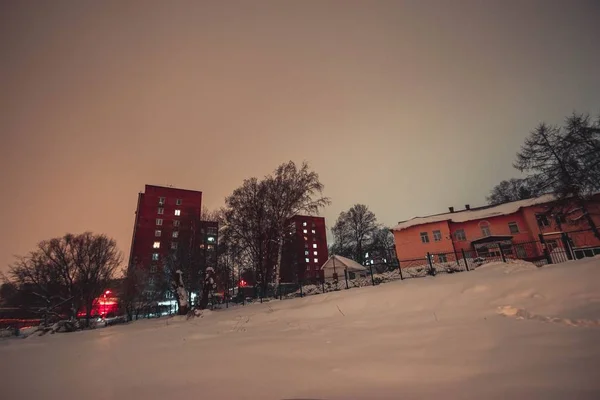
pixel 492 239
pixel 337 264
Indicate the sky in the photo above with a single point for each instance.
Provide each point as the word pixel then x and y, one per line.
pixel 406 106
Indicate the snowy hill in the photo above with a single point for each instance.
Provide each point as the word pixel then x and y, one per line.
pixel 502 331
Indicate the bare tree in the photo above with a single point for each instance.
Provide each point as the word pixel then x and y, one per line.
pixel 510 190
pixel 356 226
pixel 257 214
pixel 565 162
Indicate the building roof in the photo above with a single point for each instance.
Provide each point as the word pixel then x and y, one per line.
pixel 341 263
pixel 475 213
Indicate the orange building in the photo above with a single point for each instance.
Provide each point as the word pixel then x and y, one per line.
pixel 517 226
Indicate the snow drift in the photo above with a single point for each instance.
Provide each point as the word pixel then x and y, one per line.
pixel 502 331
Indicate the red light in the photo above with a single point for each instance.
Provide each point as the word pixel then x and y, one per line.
pixel 243 283
pixel 107 292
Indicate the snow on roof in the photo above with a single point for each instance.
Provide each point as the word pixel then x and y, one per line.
pixel 342 262
pixel 476 213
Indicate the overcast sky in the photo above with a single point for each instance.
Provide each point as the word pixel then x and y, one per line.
pixel 406 106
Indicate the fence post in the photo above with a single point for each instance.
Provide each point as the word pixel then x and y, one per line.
pixel 431 269
pixel 502 253
pixel 301 291
pixel 371 271
pixel 545 249
pixel 346 277
pixel 400 270
pixel 567 245
pixel 323 283
pixel 465 259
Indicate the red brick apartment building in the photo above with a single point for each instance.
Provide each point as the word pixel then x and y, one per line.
pixel 305 250
pixel 480 230
pixel 166 216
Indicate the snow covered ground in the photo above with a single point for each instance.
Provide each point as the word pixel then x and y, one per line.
pixel 502 331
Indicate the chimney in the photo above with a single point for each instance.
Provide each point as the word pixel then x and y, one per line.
pixel 467 207
pixel 451 209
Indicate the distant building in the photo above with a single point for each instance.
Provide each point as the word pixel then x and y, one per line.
pixel 481 230
pixel 305 249
pixel 164 216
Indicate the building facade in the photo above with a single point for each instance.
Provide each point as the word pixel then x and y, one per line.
pixel 305 249
pixel 480 231
pixel 164 217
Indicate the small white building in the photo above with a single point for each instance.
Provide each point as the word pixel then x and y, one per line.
pixel 336 265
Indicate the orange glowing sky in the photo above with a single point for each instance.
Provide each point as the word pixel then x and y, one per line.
pixel 406 106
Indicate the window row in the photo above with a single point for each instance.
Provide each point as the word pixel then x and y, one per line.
pixel 158 233
pixel 159 222
pixel 460 235
pixel 161 211
pixel 163 200
pixel 315 260
pixel 156 245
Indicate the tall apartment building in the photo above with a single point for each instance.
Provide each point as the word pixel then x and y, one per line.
pixel 305 250
pixel 165 219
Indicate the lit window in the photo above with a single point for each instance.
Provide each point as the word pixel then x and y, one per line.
pixel 175 234
pixel 316 260
pixel 157 233
pixel 460 235
pixel 178 202
pixel 485 228
pixel 514 228
pixel 158 221
pixel 304 224
pixel 305 231
pixel 305 252
pixel 305 238
pixel 313 231
pixel 176 222
pixel 156 245
pixel 161 201
pixel 307 260
pixel 177 212
pixel 154 256
pixel 173 245
pixel 315 253
pixel 161 210
pixel 211 239
pixel 424 237
pixel 437 236
pixel 314 245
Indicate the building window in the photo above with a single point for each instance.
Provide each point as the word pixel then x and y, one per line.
pixel 437 236
pixel 153 268
pixel 542 220
pixel 175 234
pixel 305 231
pixel 211 239
pixel 173 245
pixel 514 228
pixel 211 230
pixel 304 224
pixel 158 221
pixel 308 267
pixel 313 231
pixel 307 260
pixel 178 202
pixel 305 238
pixel 424 237
pixel 460 235
pixel 177 212
pixel 157 233
pixel 314 245
pixel 161 210
pixel 316 260
pixel 154 256
pixel 442 258
pixel 176 222
pixel 305 252
pixel 161 201
pixel 315 253
pixel 156 245
pixel 485 229
pixel 314 239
